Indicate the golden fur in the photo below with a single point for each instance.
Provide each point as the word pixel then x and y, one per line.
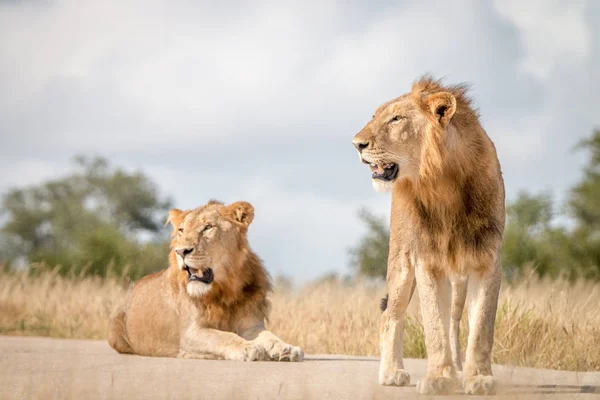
pixel 212 300
pixel 447 223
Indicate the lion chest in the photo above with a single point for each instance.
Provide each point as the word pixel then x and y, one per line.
pixel 217 319
pixel 453 240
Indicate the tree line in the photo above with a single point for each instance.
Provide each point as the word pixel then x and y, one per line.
pixel 98 220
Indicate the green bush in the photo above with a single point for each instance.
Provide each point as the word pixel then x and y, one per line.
pixel 89 222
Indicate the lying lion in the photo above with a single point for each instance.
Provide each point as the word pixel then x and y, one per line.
pixel 212 300
pixel 429 149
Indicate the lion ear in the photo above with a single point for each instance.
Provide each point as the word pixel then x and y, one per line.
pixel 443 106
pixel 242 212
pixel 175 218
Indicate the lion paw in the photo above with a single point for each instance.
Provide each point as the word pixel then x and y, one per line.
pixel 285 352
pixel 250 352
pixel 480 385
pixel 433 385
pixel 396 377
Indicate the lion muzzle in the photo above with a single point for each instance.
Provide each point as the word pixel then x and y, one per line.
pixel 207 275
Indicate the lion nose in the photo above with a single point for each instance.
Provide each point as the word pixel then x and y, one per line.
pixel 184 252
pixel 360 145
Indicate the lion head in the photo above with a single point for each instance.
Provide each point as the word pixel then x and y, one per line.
pixel 209 243
pixel 406 137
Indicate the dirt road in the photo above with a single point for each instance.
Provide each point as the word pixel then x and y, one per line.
pixel 32 368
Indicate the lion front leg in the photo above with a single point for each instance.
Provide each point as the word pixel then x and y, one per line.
pixel 277 349
pixel 401 285
pixel 484 288
pixel 197 342
pixel 435 295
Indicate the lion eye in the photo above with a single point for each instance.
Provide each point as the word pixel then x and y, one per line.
pixel 395 119
pixel 180 230
pixel 207 227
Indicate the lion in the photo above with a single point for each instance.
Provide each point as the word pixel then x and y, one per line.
pixel 447 222
pixel 211 302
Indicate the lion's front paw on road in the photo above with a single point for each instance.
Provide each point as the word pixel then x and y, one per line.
pixel 286 352
pixel 249 352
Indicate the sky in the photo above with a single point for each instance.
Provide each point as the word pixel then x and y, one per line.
pixel 260 100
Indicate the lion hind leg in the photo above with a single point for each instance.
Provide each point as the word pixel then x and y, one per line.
pixel 117 334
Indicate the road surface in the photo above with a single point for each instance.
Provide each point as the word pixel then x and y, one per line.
pixel 44 368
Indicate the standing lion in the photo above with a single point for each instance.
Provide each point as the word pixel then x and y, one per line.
pixel 212 300
pixel 447 221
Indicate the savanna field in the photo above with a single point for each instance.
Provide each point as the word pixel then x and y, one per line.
pixel 544 324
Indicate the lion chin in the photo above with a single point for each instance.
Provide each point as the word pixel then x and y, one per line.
pixel 198 289
pixel 382 186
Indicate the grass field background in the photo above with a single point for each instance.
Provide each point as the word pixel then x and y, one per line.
pixel 539 323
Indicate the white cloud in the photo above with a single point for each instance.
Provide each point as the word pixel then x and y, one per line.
pixel 189 74
pixel 552 32
pixel 521 141
pixel 184 77
pixel 28 172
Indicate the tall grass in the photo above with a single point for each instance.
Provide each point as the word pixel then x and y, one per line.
pixel 539 323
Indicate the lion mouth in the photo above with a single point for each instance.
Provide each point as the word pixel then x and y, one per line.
pixel 206 277
pixel 385 172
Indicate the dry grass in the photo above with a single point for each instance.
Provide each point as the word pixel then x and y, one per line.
pixel 539 324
